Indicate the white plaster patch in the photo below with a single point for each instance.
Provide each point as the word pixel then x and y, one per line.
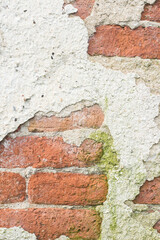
pixel 147 70
pixel 76 136
pixel 44 68
pixel 69 9
pixel 62 238
pixel 15 233
pixel 152 164
pixel 122 222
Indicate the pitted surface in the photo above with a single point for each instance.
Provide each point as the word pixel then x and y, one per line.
pixel 44 68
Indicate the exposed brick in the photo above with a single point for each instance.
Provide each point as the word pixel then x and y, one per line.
pixel 40 152
pixel 157 226
pixel 151 12
pixel 67 189
pixel 91 117
pixel 52 223
pixel 84 7
pixel 112 40
pixel 149 192
pixel 12 188
pixel 90 152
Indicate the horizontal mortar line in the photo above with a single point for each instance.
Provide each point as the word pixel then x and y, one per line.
pixel 26 205
pixel 50 134
pixel 26 172
pixel 146 23
pixel 153 206
pixel 143 23
pixel 130 59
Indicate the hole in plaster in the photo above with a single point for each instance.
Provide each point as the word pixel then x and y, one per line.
pixel 52 55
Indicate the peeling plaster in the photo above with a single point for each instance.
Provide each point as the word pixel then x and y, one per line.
pixel 152 164
pixel 69 9
pixel 123 12
pixel 121 221
pixel 45 54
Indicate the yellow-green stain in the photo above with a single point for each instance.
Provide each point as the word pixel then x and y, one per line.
pixel 109 157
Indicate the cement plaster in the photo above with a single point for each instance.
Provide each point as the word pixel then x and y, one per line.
pixel 44 68
pixel 121 12
pixel 15 233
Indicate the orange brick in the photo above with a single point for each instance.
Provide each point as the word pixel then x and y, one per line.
pixel 149 192
pixel 112 40
pixel 91 117
pixel 12 188
pixel 52 223
pixel 67 189
pixel 151 12
pixel 157 226
pixel 40 152
pixel 84 7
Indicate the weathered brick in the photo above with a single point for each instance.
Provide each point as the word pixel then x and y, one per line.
pixel 89 152
pixel 91 117
pixel 84 7
pixel 112 40
pixel 52 223
pixel 151 12
pixel 157 226
pixel 67 189
pixel 40 152
pixel 12 188
pixel 149 192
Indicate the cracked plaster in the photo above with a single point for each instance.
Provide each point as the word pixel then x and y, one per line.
pixel 44 53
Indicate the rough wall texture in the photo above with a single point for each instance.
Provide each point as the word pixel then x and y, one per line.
pixel 80 138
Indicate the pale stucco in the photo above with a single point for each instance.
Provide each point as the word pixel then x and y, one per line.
pixel 45 69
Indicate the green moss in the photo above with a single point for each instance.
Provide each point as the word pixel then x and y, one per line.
pixel 109 157
pixel 121 180
pixel 107 162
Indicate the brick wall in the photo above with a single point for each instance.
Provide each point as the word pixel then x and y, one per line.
pixel 51 186
pixel 58 197
pixel 150 195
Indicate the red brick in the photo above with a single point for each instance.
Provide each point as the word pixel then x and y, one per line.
pixel 67 189
pixel 52 223
pixel 12 188
pixel 157 226
pixel 90 152
pixel 149 192
pixel 91 117
pixel 40 152
pixel 151 12
pixel 117 41
pixel 84 7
